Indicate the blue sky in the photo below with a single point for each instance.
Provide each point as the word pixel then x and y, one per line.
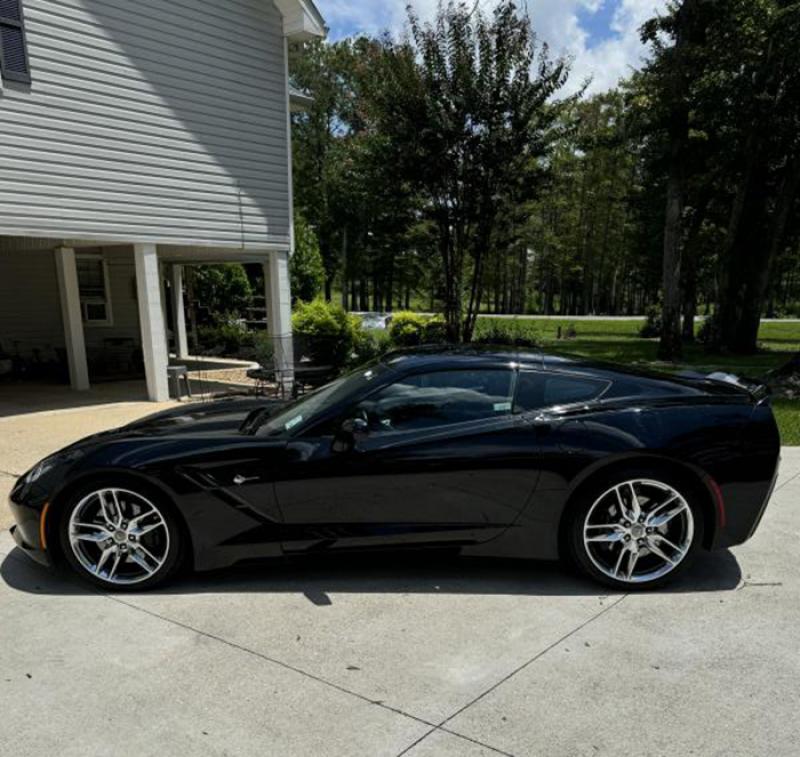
pixel 600 35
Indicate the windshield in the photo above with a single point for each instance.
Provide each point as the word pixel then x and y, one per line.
pixel 314 405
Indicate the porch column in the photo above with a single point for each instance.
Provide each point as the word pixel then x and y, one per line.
pixel 279 313
pixel 178 314
pixel 151 321
pixel 67 274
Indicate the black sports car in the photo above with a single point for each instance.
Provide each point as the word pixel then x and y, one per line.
pixel 494 452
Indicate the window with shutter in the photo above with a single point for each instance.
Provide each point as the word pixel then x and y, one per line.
pixel 13 49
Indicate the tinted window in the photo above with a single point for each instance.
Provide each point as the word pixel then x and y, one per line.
pixel 437 399
pixel 538 390
pixel 304 410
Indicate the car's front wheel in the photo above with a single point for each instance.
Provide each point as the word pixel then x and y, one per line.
pixel 119 538
pixel 636 531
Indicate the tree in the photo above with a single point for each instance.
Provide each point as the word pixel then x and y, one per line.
pixel 726 94
pixel 222 289
pixel 306 266
pixel 322 70
pixel 670 73
pixel 468 103
pixel 767 91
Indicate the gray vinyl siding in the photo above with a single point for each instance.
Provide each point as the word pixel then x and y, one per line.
pixel 149 121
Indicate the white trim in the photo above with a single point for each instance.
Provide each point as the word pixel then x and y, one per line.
pixel 301 20
pixel 290 167
pixel 109 240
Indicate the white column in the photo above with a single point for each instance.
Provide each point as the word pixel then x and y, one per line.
pixel 151 321
pixel 67 273
pixel 178 313
pixel 279 312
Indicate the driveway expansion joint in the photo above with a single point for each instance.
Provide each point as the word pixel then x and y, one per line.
pixel 304 673
pixel 509 676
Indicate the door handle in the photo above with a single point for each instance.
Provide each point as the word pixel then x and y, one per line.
pixel 239 479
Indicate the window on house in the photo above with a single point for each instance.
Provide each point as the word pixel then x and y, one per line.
pixel 93 288
pixel 13 48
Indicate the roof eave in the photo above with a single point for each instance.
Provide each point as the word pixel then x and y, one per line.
pixel 301 20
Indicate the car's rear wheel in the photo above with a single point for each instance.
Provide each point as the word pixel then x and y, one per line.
pixel 637 530
pixel 119 538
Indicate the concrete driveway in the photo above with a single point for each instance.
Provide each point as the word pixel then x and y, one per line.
pixel 409 655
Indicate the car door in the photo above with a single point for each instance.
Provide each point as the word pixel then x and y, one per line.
pixel 444 461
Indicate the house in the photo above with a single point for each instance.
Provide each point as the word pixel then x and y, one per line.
pixel 137 138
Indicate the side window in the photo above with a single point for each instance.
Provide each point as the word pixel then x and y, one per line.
pixel 13 49
pixel 442 398
pixel 537 390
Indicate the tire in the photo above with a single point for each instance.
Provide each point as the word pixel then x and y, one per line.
pixel 636 543
pixel 121 536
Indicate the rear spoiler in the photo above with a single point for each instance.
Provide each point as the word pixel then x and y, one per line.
pixel 758 390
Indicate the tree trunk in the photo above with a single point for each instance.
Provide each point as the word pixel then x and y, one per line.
pixel 688 31
pixel 746 265
pixel 670 346
pixel 690 259
pixel 345 270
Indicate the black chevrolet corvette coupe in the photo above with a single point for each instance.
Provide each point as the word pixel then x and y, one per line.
pixel 486 452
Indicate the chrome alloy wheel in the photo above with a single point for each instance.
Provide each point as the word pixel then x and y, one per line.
pixel 118 536
pixel 638 531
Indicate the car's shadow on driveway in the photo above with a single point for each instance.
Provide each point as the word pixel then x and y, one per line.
pixel 419 573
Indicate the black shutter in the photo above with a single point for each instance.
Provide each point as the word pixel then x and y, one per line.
pixel 13 50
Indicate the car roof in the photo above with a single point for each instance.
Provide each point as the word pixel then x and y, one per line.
pixel 488 356
pixel 459 355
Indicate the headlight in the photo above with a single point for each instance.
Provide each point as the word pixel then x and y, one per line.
pixel 43 466
pixel 38 470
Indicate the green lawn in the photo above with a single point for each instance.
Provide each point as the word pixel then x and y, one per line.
pixel 619 341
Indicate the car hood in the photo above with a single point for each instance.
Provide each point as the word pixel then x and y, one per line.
pixel 208 418
pixel 216 418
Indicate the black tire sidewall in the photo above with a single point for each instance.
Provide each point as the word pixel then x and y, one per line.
pixel 176 541
pixel 588 495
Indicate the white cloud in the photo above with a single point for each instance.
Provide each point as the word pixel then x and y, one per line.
pixel 555 21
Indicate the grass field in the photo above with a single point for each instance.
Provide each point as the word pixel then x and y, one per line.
pixel 619 341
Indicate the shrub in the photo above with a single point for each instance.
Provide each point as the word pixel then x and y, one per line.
pixel 506 332
pixel 227 337
pixel 264 349
pixel 306 265
pixel 326 333
pixel 651 327
pixel 434 331
pixel 407 329
pixel 370 344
